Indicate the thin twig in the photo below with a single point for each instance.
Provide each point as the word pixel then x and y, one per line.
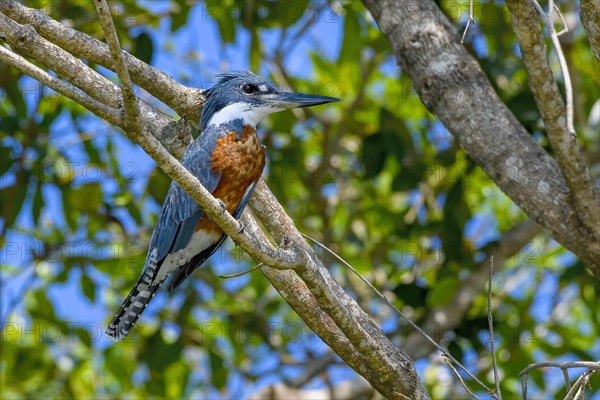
pixel 228 276
pixel 404 316
pixel 557 114
pixel 592 366
pixel 132 111
pixel 565 372
pixel 585 378
pixel 460 379
pixel 595 365
pixel 524 379
pixel 563 66
pixel 491 327
pixel 470 21
pixel 562 18
pixel 581 381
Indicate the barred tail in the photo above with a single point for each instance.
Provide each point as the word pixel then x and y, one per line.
pixel 131 310
pixel 136 302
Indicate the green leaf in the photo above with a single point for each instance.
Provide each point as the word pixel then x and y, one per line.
pixel 144 48
pixel 374 153
pixel 179 18
pixel 12 198
pixel 158 185
pixel 158 354
pixel 255 56
pixel 411 294
pixel 38 203
pixel 88 287
pixel 219 372
pixel 351 44
pixel 134 211
pixel 223 13
pixel 443 291
pixel 86 198
pixel 176 377
pixel 6 161
pixel 40 307
pixel 92 152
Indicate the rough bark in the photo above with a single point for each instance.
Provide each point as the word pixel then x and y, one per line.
pixel 526 24
pixel 589 12
pixel 452 85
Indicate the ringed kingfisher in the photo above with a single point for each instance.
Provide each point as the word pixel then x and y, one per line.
pixel 228 159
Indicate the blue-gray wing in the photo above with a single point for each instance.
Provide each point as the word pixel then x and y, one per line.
pixel 180 213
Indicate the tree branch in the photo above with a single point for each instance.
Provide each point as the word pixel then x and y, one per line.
pixel 26 41
pixel 558 119
pixel 348 316
pixel 589 12
pixel 132 112
pixel 452 86
pixel 110 114
pixel 184 100
pixel 491 329
pixel 592 366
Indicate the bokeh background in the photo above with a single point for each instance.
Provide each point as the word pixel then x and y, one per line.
pixel 376 177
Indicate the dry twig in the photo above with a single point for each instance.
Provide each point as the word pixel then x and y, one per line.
pixel 228 276
pixel 132 111
pixel 444 352
pixel 592 367
pixel 460 379
pixel 470 21
pixel 491 328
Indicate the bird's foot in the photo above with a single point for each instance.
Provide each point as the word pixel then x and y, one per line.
pixel 222 205
pixel 241 227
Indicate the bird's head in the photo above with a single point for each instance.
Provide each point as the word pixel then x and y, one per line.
pixel 243 95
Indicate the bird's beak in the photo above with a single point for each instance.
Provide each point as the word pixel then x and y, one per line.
pixel 293 100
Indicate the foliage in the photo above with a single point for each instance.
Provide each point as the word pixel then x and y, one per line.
pixel 376 178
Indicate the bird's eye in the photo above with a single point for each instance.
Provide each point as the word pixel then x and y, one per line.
pixel 249 88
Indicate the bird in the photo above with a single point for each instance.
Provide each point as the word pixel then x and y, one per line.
pixel 228 159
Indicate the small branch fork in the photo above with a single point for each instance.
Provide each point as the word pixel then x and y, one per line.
pixel 574 392
pixel 470 21
pixel 558 117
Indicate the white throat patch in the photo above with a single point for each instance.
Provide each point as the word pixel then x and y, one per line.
pixel 250 114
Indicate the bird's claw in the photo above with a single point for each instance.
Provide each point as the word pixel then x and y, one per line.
pixel 222 205
pixel 241 227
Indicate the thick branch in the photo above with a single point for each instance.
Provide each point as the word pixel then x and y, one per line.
pixel 303 302
pixel 395 367
pixel 185 101
pixel 589 12
pixel 526 24
pixel 452 85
